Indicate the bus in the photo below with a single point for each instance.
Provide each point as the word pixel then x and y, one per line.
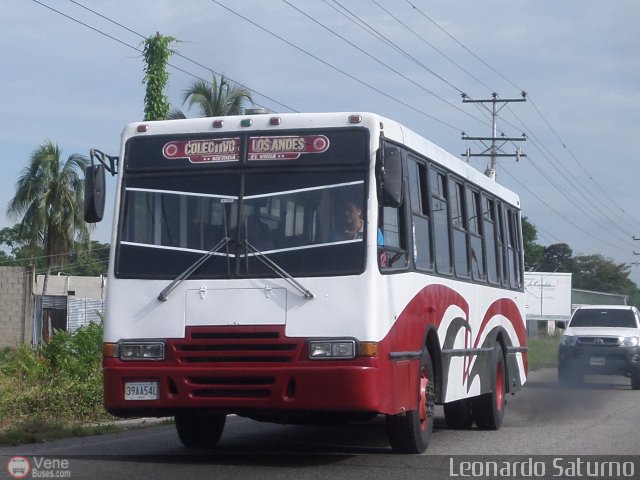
pixel 300 268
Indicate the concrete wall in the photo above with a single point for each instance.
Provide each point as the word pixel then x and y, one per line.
pixel 16 306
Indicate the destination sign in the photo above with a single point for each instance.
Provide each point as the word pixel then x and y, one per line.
pixel 204 151
pixel 286 147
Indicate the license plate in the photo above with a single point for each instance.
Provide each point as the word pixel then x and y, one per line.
pixel 141 391
pixel 597 361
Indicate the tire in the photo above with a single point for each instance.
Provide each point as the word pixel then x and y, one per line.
pixel 635 381
pixel 488 409
pixel 564 374
pixel 410 432
pixel 459 414
pixel 198 430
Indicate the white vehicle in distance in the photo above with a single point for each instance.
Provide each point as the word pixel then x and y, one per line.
pixel 601 339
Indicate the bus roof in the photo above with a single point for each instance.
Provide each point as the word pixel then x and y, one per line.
pixel 377 124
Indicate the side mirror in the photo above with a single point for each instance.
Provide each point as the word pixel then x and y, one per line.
pixel 94 193
pixel 390 176
pixel 561 324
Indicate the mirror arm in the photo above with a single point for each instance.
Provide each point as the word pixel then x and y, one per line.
pixel 109 162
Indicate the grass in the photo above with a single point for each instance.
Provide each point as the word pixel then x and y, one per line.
pixel 543 352
pixel 51 390
pixel 42 430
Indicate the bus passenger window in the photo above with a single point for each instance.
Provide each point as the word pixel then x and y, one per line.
pixel 502 241
pixel 421 227
pixel 439 196
pixel 512 248
pixel 476 242
pixel 491 243
pixel 393 253
pixel 459 223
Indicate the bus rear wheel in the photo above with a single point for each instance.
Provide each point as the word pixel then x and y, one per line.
pixel 488 409
pixel 410 432
pixel 198 430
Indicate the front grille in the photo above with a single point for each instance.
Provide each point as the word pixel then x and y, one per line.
pixel 231 362
pixel 599 341
pixel 231 387
pixel 233 345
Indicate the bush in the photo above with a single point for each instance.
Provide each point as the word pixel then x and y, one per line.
pixel 61 379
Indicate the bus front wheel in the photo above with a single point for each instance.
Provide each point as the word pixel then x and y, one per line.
pixel 199 430
pixel 410 432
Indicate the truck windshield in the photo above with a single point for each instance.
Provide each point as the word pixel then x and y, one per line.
pixel 300 220
pixel 603 318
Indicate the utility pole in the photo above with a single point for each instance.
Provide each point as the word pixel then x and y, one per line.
pixel 493 150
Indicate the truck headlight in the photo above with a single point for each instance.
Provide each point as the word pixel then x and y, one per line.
pixel 132 350
pixel 319 349
pixel 568 340
pixel 630 342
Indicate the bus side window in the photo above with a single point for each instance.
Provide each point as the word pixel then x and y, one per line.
pixel 513 249
pixel 503 239
pixel 476 240
pixel 421 225
pixel 491 240
pixel 439 200
pixel 459 228
pixel 393 252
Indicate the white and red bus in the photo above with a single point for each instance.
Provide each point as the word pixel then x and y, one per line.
pixel 303 267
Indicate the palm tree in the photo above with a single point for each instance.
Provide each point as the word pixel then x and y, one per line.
pixel 49 199
pixel 216 99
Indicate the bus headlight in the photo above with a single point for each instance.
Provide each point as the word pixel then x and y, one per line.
pixel 132 350
pixel 319 349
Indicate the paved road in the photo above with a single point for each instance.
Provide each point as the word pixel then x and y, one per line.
pixel 601 417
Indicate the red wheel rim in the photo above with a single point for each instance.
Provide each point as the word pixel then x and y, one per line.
pixel 424 381
pixel 499 389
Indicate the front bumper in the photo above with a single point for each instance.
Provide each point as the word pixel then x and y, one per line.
pixel 605 360
pixel 245 369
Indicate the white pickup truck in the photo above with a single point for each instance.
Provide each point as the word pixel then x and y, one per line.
pixel 601 339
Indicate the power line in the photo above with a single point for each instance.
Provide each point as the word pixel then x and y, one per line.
pixel 122 42
pixel 547 123
pixel 477 57
pixel 333 67
pixel 569 221
pixel 421 38
pixel 564 146
pixel 377 60
pixel 404 104
pixel 580 188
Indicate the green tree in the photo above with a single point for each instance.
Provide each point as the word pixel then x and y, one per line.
pixel 595 272
pixel 532 250
pixel 556 258
pixel 13 237
pixel 219 98
pixel 156 53
pixel 49 199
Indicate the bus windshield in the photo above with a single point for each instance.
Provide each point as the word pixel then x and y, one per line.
pixel 298 219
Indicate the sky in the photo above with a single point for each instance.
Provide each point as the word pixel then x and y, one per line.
pixel 72 72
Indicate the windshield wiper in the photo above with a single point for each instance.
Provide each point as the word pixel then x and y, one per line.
pixel 164 294
pixel 278 270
